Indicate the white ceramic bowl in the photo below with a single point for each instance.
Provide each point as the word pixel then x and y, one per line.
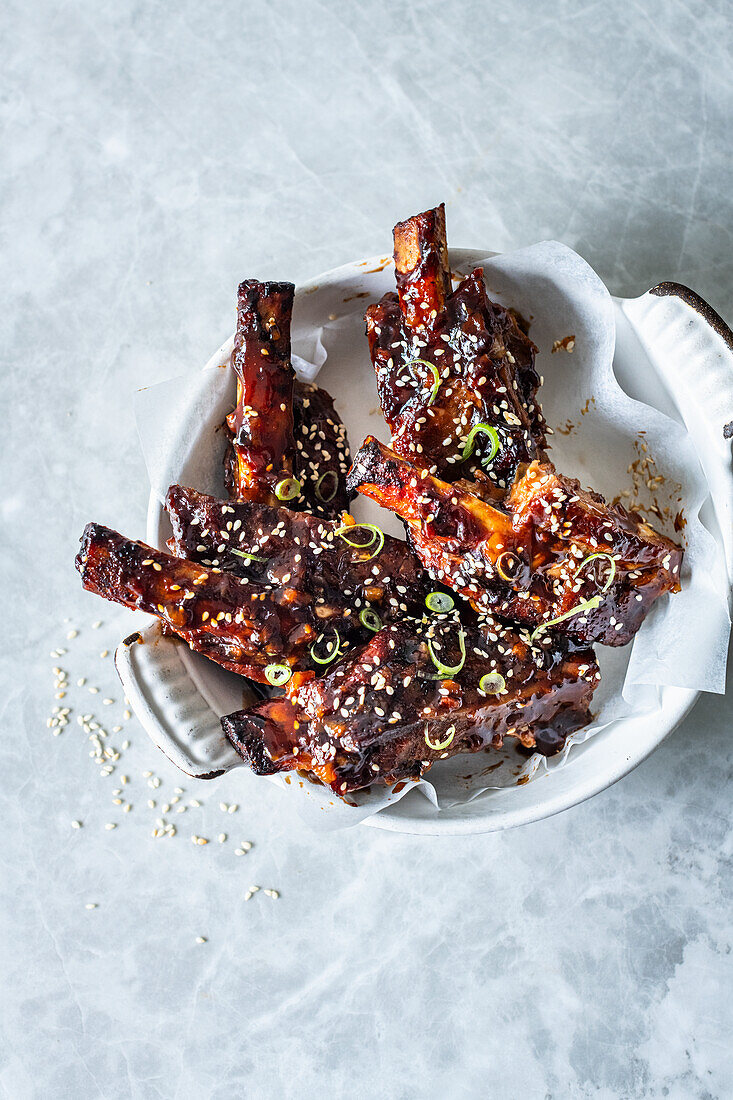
pixel 178 696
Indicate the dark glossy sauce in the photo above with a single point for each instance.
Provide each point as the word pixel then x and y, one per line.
pixel 485 364
pixel 386 713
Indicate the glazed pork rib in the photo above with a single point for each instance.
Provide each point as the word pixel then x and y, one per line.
pixel 558 556
pixel 227 619
pixel 263 443
pixel 253 586
pixel 391 709
pixel 287 441
pixel 455 372
pixel 305 561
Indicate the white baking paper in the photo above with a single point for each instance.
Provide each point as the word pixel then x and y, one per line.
pixel 599 433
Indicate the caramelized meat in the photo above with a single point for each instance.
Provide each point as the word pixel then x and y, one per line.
pixel 305 560
pixel 422 269
pixel 455 372
pixel 240 625
pixel 263 443
pixel 299 594
pixel 287 441
pixel 322 456
pixel 393 708
pixel 559 554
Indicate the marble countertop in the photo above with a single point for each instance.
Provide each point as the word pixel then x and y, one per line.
pixel 153 156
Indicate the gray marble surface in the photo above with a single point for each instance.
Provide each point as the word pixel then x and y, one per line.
pixel 154 154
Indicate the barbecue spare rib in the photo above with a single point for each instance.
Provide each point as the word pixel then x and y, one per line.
pixel 259 590
pixel 287 442
pixel 417 692
pixel 344 578
pixel 557 556
pixel 455 372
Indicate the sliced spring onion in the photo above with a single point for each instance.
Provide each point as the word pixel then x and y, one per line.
pixel 277 675
pixel 376 536
pixel 492 683
pixel 370 619
pixel 438 745
pixel 247 556
pixel 445 671
pixel 584 605
pixel 333 644
pixel 439 602
pixel 612 573
pixel 321 492
pixel 287 489
pixel 435 373
pixel 470 443
pixel 506 565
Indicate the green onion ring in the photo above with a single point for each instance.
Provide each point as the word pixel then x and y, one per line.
pixel 369 618
pixel 470 443
pixel 436 376
pixel 439 745
pixel 319 483
pixel 611 575
pixel 332 651
pixel 377 536
pixel 277 675
pixel 513 557
pixel 584 605
pixel 446 671
pixel 288 489
pixel 439 602
pixel 492 683
pixel 245 554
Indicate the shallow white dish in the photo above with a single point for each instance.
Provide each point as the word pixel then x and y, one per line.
pixel 178 696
